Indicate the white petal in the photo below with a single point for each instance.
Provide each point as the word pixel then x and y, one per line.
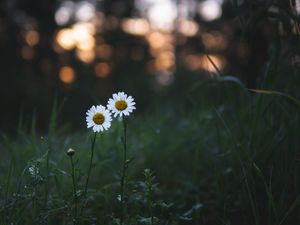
pixel 115 96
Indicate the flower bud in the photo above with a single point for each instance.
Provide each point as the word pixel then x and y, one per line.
pixel 70 152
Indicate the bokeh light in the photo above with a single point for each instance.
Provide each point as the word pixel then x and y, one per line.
pixel 104 51
pixel 102 69
pixel 165 60
pixel 156 39
pixel 210 9
pixel 67 74
pixel 210 63
pixel 156 23
pixel 81 29
pixel 86 44
pixel 297 6
pixel 165 78
pixel 84 11
pixel 85 56
pixel 32 38
pixel 162 14
pixel 188 28
pixel 214 41
pixel 64 13
pixel 136 26
pixel 65 38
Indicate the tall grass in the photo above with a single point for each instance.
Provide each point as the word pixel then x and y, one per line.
pixel 223 156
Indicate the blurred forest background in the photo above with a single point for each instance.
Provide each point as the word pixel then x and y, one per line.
pixel 216 84
pixel 82 51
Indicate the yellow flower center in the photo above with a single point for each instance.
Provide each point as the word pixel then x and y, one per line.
pixel 98 118
pixel 121 105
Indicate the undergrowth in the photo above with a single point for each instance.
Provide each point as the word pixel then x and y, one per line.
pixel 232 159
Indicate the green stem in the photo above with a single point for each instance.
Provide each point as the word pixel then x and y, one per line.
pixel 7 189
pixel 251 197
pixel 151 206
pixel 149 194
pixel 74 192
pixel 91 164
pixel 8 180
pixel 123 178
pixel 89 170
pixel 47 178
pixel 34 193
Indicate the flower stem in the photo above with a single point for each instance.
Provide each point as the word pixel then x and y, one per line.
pixel 123 178
pixel 8 180
pixel 47 177
pixel 151 207
pixel 74 192
pixel 89 170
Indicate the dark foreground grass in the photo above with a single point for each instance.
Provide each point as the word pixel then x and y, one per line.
pixel 222 157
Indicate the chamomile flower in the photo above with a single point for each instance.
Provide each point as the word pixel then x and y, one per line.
pixel 121 104
pixel 99 118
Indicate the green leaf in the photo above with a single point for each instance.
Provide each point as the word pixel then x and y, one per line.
pixel 276 93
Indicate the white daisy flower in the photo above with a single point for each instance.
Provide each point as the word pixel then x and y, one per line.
pixel 121 104
pixel 99 118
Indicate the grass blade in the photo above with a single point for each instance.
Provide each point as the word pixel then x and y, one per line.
pixel 276 93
